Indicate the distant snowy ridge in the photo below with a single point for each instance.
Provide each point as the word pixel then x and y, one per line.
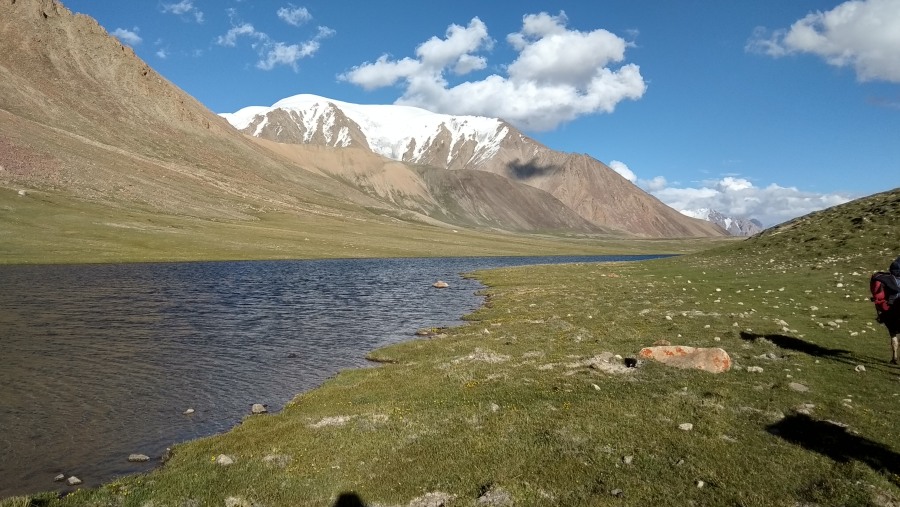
pixel 734 226
pixel 397 132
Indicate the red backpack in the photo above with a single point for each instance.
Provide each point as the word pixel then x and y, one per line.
pixel 884 291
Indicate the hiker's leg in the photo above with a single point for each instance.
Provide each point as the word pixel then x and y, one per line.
pixel 895 344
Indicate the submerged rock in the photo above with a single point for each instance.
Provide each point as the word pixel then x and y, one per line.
pixel 440 284
pixel 258 408
pixel 73 481
pixel 138 458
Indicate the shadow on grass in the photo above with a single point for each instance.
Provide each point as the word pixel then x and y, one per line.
pixel 835 442
pixel 349 500
pixel 796 344
pixel 840 355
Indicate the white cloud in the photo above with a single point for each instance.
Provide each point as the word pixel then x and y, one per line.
pixel 294 15
pixel 623 170
pixel 560 74
pixel 244 29
pixel 129 37
pixel 271 52
pixel 162 53
pixel 740 198
pixel 184 8
pixel 864 34
pixel 284 54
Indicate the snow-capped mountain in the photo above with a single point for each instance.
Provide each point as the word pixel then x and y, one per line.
pixel 734 226
pixel 403 133
pixel 413 135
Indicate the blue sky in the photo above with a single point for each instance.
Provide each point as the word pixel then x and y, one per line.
pixel 766 109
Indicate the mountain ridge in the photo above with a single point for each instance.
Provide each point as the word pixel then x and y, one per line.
pixel 403 133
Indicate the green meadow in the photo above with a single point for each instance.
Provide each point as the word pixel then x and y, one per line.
pixel 530 402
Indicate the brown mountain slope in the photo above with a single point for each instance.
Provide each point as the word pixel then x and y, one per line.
pixel 464 197
pixel 583 184
pixel 81 114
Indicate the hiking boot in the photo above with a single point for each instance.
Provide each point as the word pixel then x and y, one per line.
pixel 893 361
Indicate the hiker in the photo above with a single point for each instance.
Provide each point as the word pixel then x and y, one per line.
pixel 886 296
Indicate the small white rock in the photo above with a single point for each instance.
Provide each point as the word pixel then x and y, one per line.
pixel 258 408
pixel 189 411
pixel 224 460
pixel 700 484
pixel 59 477
pixel 685 426
pixel 138 458
pixel 73 481
pixel 860 368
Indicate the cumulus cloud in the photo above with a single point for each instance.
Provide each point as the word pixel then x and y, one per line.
pixel 623 170
pixel 559 74
pixel 740 198
pixel 129 37
pixel 294 15
pixel 273 53
pixel 162 54
pixel 184 8
pixel 863 34
pixel 242 30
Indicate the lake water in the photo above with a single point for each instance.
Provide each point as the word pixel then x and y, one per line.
pixel 101 361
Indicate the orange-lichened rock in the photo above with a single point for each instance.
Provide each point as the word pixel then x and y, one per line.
pixel 714 360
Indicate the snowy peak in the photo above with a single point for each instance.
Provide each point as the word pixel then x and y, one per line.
pixel 404 133
pixel 734 226
pixel 471 143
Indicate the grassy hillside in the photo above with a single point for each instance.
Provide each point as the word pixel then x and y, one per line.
pixel 530 405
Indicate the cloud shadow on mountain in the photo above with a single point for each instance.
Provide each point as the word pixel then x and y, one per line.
pixel 525 170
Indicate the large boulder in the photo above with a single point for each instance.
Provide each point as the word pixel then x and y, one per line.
pixel 714 360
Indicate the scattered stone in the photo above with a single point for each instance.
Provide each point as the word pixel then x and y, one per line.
pixel 805 408
pixel 59 477
pixel 331 421
pixel 484 356
pixel 754 369
pixel 138 458
pixel 495 407
pixel 628 460
pixel 700 484
pixel 224 460
pixel 685 426
pixel 22 193
pixel 860 368
pixel 432 499
pixel 236 501
pixel 440 284
pixel 617 492
pixel 495 497
pixel 189 411
pixel 713 360
pixel 277 460
pixel 258 408
pixel 73 481
pixel 796 386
